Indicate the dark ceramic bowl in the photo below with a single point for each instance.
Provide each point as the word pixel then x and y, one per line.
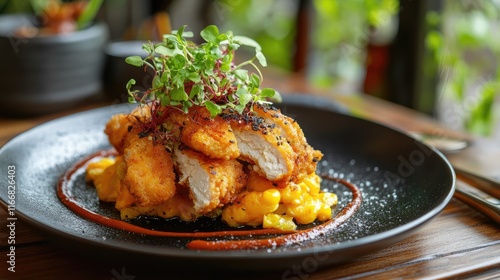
pixel 117 72
pixel 44 74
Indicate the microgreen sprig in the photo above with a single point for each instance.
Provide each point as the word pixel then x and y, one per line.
pixel 187 74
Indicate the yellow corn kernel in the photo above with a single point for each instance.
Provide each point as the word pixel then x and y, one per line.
pixel 291 195
pixel 324 213
pixel 311 184
pixel 330 199
pixel 271 196
pixel 107 184
pixel 304 213
pixel 96 168
pixel 258 183
pixel 315 178
pixel 282 222
pixel 250 208
pixel 281 210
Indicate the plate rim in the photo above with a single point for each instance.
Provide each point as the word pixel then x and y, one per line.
pixel 400 232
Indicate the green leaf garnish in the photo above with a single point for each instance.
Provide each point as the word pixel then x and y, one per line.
pixel 187 74
pixel 213 108
pixel 261 58
pixel 242 40
pixel 267 93
pixel 179 94
pixel 210 34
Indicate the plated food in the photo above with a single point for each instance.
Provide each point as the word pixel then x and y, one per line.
pixel 213 166
pixel 386 216
pixel 205 141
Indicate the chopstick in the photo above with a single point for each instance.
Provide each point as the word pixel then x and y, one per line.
pixel 487 185
pixel 479 192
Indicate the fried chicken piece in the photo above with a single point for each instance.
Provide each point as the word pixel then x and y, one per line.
pixel 149 176
pixel 262 145
pixel 212 182
pixel 124 198
pixel 120 124
pixel 306 156
pixel 116 129
pixel 210 136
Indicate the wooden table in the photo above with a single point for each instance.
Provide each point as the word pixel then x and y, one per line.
pixel 458 243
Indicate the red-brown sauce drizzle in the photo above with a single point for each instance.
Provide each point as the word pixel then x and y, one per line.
pixel 285 238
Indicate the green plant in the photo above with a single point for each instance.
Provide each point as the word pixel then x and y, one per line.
pixel 56 16
pixel 89 13
pixel 270 23
pixel 339 32
pixel 186 74
pixel 342 29
pixel 19 6
pixel 465 45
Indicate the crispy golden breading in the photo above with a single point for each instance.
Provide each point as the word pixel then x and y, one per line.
pixel 306 156
pixel 150 176
pixel 120 124
pixel 116 129
pixel 124 198
pixel 212 182
pixel 210 136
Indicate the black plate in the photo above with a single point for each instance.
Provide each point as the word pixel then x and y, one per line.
pixel 404 184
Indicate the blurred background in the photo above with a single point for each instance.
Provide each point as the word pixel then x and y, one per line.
pixel 439 57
